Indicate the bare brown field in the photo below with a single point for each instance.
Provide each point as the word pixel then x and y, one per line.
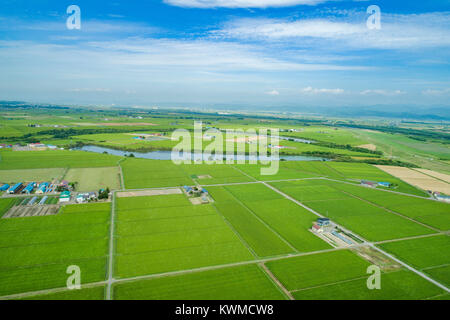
pixel 438 175
pixel 417 179
pixel 370 147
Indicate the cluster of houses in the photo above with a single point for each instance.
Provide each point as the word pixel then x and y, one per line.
pixel 42 188
pixel 29 188
pixel 34 147
pixel 373 184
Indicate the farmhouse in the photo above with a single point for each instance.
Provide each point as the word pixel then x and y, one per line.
pixel 85 197
pixel 323 222
pixel 64 197
pixel 369 184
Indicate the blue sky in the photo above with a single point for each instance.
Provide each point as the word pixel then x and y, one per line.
pixel 206 53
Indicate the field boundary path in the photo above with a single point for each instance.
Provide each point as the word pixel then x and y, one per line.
pixel 276 281
pixel 111 248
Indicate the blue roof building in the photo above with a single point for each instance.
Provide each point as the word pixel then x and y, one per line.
pixel 384 184
pixel 15 188
pixel 4 187
pixel 29 188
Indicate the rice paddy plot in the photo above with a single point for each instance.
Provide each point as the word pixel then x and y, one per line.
pixel 164 235
pixel 318 269
pixel 36 251
pixel 288 219
pixel 365 219
pixel 427 254
pixel 287 170
pixel 214 174
pixel 427 211
pixel 258 235
pixel 399 285
pixel 371 222
pixel 247 282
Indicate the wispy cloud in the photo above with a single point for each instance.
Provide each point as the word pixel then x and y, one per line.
pixel 241 3
pixel 89 90
pixel 273 93
pixel 382 92
pixel 397 32
pixel 313 91
pixel 436 92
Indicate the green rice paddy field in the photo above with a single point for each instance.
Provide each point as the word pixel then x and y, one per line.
pixel 230 248
pixel 343 275
pixel 365 219
pixel 36 251
pixel 429 255
pixel 236 283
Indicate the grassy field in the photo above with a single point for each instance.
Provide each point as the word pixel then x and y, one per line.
pixel 36 251
pixel 427 155
pixel 238 283
pixel 31 175
pixel 167 233
pixel 54 159
pixel 93 179
pixel 426 254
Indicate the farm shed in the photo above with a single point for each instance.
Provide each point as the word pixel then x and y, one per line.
pixel 29 188
pixel 4 187
pixel 42 188
pixel 15 188
pixel 384 184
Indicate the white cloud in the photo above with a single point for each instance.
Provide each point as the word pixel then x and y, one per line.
pixel 311 90
pixel 273 93
pixel 382 92
pixel 397 31
pixel 89 90
pixel 240 3
pixel 436 92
